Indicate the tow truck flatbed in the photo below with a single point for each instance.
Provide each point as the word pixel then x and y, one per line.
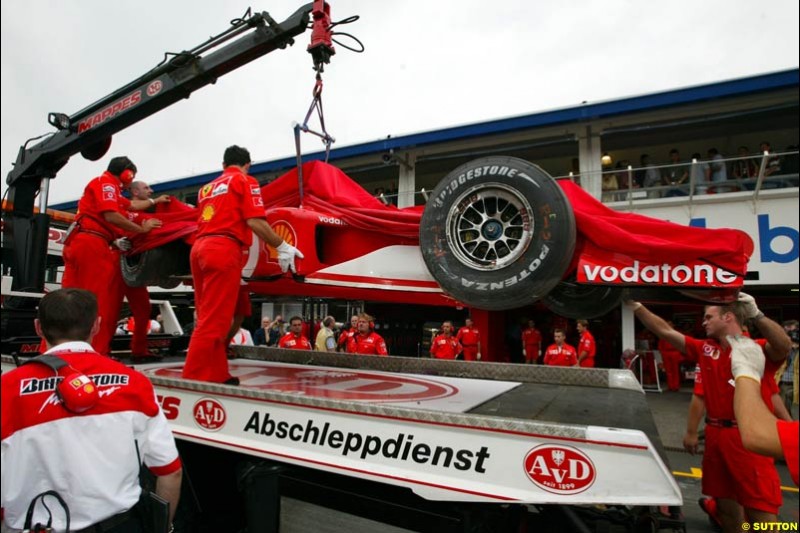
pixel 541 435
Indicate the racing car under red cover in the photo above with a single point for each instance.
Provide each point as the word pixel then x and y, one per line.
pixel 497 233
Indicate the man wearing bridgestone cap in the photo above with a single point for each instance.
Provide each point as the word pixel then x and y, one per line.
pixel 230 207
pixel 754 490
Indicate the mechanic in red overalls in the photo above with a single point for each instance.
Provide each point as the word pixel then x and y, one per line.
pixel 745 484
pixel 366 341
pixel 587 348
pixel 138 297
pixel 671 358
pixel 344 337
pixel 294 339
pixel 470 339
pixel 231 210
pixel 89 261
pixel 444 345
pixel 761 431
pixel 531 343
pixel 560 353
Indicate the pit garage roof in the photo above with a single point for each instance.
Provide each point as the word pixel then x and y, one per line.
pixel 763 83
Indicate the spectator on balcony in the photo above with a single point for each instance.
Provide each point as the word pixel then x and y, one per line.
pixel 609 184
pixel 718 172
pixel 624 175
pixel 698 174
pixel 746 167
pixel 772 166
pixel 677 174
pixel 650 176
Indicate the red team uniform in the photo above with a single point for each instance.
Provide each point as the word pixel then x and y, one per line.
pixel 564 355
pixel 445 347
pixel 758 485
pixel 370 344
pixel 294 342
pixel 344 338
pixel 671 358
pixel 532 342
pixel 469 339
pixel 587 344
pixel 34 419
pixel 89 262
pixel 217 258
pixel 789 433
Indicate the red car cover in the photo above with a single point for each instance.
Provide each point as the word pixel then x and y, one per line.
pixel 601 230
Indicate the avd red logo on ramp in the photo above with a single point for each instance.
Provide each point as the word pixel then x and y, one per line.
pixel 560 469
pixel 209 414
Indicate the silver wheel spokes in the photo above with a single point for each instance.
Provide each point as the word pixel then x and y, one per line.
pixel 493 229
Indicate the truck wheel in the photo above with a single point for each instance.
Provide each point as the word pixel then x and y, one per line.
pixel 574 300
pixel 156 266
pixel 497 233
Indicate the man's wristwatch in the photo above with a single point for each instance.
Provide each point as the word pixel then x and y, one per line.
pixel 152 202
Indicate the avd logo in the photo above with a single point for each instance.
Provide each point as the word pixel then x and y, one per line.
pixel 209 414
pixel 560 469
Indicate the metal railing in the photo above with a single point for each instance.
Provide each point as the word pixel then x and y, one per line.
pixel 697 177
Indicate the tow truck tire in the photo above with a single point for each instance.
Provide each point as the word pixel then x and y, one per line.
pixel 574 300
pixel 497 233
pixel 155 267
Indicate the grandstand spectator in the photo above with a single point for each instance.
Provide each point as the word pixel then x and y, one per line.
pixel 746 167
pixel 773 164
pixel 650 176
pixel 624 175
pixel 677 174
pixel 698 175
pixel 609 185
pixel 717 172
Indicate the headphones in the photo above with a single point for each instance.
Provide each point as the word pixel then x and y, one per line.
pixel 77 391
pixel 126 176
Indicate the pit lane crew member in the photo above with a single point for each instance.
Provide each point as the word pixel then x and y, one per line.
pixel 347 334
pixel 531 343
pixel 671 358
pixel 87 454
pixel 761 431
pixel 444 345
pixel 587 348
pixel 294 338
pixel 470 339
pixel 325 341
pixel 230 207
pixel 754 490
pixel 89 262
pixel 138 297
pixel 366 341
pixel 560 353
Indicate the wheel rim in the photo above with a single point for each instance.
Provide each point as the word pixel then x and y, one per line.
pixel 489 226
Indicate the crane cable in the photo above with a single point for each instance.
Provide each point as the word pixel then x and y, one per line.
pixel 321 50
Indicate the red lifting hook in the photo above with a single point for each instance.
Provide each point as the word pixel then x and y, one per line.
pixel 321 47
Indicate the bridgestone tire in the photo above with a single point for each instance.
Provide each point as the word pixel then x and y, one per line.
pixel 574 300
pixel 497 233
pixel 155 267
